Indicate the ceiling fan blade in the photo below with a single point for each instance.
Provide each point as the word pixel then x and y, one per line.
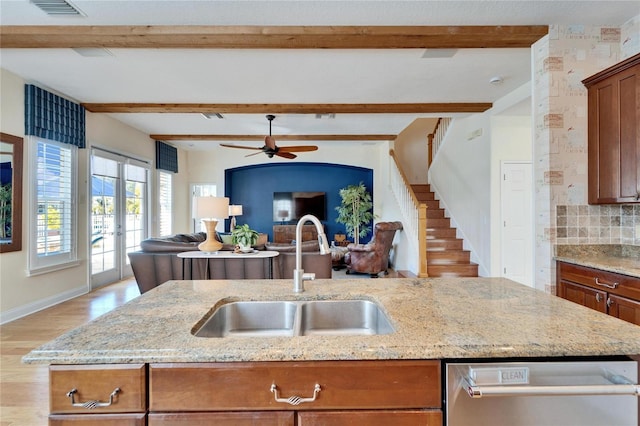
pixel 285 155
pixel 241 147
pixel 298 148
pixel 252 154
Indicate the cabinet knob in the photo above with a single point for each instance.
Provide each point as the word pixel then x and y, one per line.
pixel 598 297
pixel 609 302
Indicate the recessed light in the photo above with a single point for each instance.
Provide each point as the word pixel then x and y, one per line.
pixel 496 80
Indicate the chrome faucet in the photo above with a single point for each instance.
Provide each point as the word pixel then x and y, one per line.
pixel 299 276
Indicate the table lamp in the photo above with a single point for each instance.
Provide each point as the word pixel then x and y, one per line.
pixel 210 210
pixel 234 210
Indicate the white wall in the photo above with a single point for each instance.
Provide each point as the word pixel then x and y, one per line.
pixel 21 294
pixel 412 149
pixel 465 174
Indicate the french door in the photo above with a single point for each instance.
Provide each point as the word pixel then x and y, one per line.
pixel 119 214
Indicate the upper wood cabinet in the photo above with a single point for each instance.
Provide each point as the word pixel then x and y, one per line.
pixel 614 133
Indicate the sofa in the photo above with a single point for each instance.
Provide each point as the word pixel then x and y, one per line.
pixel 311 259
pixel 157 261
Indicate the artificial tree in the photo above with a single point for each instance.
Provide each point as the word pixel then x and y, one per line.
pixel 355 211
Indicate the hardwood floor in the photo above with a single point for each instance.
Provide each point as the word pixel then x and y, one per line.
pixel 24 389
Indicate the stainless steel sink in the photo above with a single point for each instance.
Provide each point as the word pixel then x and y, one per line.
pixel 251 319
pixel 343 317
pixel 302 318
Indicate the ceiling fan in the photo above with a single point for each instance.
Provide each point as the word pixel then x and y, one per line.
pixel 270 148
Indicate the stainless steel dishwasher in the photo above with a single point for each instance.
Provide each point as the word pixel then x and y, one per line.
pixel 597 393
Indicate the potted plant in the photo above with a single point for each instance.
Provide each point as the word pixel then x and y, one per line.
pixel 244 236
pixel 355 211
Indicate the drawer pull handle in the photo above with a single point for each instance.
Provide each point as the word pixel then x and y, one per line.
pixel 295 400
pixel 91 404
pixel 614 285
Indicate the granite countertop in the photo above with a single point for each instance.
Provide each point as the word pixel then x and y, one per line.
pixel 434 318
pixel 622 259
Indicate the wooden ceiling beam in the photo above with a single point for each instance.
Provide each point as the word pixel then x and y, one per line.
pixel 270 37
pixel 190 108
pixel 278 138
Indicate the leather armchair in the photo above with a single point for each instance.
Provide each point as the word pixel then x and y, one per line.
pixel 373 257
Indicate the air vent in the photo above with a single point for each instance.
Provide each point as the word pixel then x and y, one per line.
pixel 210 115
pixel 320 116
pixel 439 53
pixel 58 7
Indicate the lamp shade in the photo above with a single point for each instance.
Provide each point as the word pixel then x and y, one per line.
pixel 212 207
pixel 235 210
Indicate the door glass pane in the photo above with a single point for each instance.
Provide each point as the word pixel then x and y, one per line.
pixel 136 190
pixel 103 225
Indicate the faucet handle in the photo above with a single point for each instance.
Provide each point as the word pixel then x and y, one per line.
pixel 309 276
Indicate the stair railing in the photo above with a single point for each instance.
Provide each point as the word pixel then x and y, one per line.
pixel 436 138
pixel 414 213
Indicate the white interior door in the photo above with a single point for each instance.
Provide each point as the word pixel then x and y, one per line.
pixel 517 222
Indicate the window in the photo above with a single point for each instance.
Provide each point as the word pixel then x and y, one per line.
pixel 53 210
pixel 164 200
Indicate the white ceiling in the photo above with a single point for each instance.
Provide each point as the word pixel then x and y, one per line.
pixel 289 76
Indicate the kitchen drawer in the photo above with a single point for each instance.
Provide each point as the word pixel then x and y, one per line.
pixel 613 283
pixel 247 386
pixel 138 419
pixel 252 418
pixel 97 383
pixel 368 418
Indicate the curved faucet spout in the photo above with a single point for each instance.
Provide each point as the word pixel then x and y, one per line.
pixel 298 274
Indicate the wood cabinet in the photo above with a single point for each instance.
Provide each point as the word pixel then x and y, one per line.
pixel 614 133
pixel 615 294
pixel 406 392
pixel 98 394
pixel 287 233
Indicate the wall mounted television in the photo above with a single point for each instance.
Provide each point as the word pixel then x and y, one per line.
pixel 291 206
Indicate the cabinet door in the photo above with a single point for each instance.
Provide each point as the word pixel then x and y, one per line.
pixel 368 418
pixel 625 309
pixel 278 418
pixel 582 295
pixel 614 135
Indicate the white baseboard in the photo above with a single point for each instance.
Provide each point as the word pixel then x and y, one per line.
pixel 30 308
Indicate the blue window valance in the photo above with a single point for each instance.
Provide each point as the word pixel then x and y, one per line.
pixel 52 117
pixel 166 157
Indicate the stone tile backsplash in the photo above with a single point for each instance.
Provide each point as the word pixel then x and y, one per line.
pixel 598 224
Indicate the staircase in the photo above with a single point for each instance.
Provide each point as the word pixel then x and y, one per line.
pixel 445 255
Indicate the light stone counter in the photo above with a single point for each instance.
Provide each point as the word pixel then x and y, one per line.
pixel 434 319
pixel 622 259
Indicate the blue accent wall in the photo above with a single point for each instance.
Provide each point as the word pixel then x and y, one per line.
pixel 253 188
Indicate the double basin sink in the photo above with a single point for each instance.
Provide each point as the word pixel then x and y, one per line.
pixel 296 318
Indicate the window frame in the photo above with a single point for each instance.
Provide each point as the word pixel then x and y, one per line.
pixel 39 264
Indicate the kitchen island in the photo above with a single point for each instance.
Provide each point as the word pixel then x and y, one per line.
pixel 152 339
